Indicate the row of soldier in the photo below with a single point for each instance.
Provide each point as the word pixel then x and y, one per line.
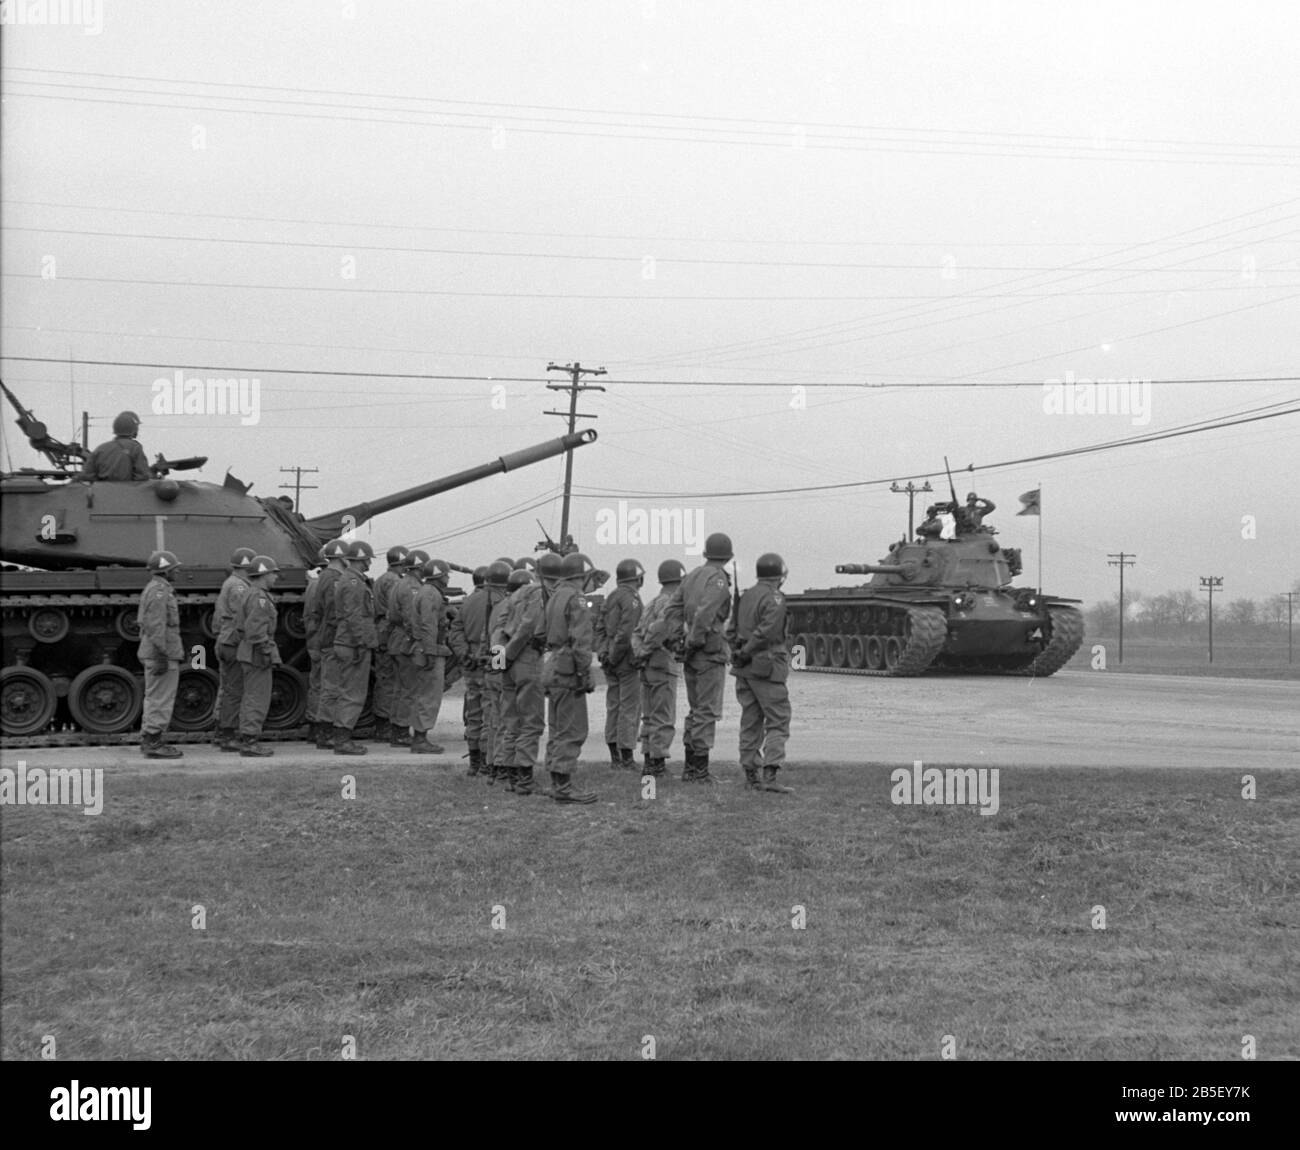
pixel 525 640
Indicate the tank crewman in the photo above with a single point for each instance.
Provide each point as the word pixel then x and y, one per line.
pixel 697 613
pixel 231 686
pixel 619 615
pixel 932 526
pixel 429 655
pixel 255 627
pixel 502 753
pixel 653 656
pixel 354 645
pixel 401 645
pixel 121 459
pixel 467 640
pixel 566 677
pixel 160 654
pixel 522 639
pixel 385 665
pixel 761 664
pixel 976 510
pixel 318 618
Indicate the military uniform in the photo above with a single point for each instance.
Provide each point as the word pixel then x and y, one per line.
pixel 619 617
pixel 119 460
pixel 429 657
pixel 698 613
pixel 523 702
pixel 497 750
pixel 318 618
pixel 469 634
pixel 566 676
pixel 354 641
pixel 384 662
pixel 401 645
pixel 255 623
pixel 658 675
pixel 309 608
pixel 761 668
pixel 160 654
pixel 231 690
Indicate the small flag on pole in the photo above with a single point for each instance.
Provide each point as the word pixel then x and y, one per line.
pixel 1032 502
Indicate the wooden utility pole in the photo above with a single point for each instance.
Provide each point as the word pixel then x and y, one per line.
pixel 911 491
pixel 576 371
pixel 1121 560
pixel 298 485
pixel 1211 583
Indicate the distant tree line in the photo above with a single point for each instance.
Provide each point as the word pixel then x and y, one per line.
pixel 1176 613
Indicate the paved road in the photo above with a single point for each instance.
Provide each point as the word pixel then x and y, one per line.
pixel 1074 718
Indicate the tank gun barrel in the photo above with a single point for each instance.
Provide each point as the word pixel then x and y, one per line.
pixel 334 523
pixel 869 569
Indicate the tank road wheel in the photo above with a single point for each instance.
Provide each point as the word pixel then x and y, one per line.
pixel 820 654
pixel 1067 638
pixel 208 623
pixel 196 700
pixel 856 652
pixel 127 624
pixel 925 630
pixel 294 623
pixel 105 700
pixel 875 652
pixel 48 624
pixel 893 652
pixel 288 699
pixel 27 701
pixel 838 651
pixel 801 640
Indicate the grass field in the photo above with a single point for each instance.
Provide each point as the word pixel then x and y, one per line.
pixel 670 918
pixel 1232 660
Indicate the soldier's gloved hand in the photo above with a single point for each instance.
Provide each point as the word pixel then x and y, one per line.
pixel 160 664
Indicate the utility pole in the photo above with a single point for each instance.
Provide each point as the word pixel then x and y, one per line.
pixel 1120 560
pixel 574 388
pixel 298 485
pixel 911 490
pixel 1290 595
pixel 85 430
pixel 1211 583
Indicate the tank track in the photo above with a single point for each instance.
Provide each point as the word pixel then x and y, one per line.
pixel 929 631
pixel 1067 638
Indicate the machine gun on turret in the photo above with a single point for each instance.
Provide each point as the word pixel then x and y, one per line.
pixel 66 457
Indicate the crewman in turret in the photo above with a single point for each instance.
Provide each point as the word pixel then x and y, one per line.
pixel 121 459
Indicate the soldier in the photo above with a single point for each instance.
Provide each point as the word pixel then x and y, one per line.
pixel 385 665
pixel 401 645
pixel 255 627
pixel 697 614
pixel 478 644
pixel 231 686
pixel 566 676
pixel 976 509
pixel 354 644
pixel 429 655
pixel 469 641
pixel 653 655
pixel 522 639
pixel 500 759
pixel 619 616
pixel 932 527
pixel 160 654
pixel 761 664
pixel 318 619
pixel 120 459
pixel 309 608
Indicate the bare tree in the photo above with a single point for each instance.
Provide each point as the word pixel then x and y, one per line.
pixel 1241 613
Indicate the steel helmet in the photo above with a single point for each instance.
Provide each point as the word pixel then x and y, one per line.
pixel 549 566
pixel 575 566
pixel 628 570
pixel 771 566
pixel 335 549
pixel 128 423
pixel 498 574
pixel 525 563
pixel 417 559
pixel 520 578
pixel 263 565
pixel 436 570
pixel 361 551
pixel 671 571
pixel 162 561
pixel 506 560
pixel 396 555
pixel 718 546
pixel 479 576
pixel 242 557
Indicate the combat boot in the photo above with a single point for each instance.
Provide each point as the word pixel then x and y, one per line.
pixel 524 782
pixel 249 748
pixel 627 758
pixel 562 790
pixel 752 782
pixel 657 769
pixel 476 766
pixel 615 759
pixel 770 783
pixel 324 736
pixel 345 744
pixel 227 739
pixel 420 745
pixel 382 729
pixel 399 737
pixel 701 772
pixel 153 747
pixel 689 769
pixel 512 776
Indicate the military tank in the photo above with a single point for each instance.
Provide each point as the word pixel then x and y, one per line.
pixel 73 557
pixel 936 604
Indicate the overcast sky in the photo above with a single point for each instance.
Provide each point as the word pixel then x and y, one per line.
pixel 897 200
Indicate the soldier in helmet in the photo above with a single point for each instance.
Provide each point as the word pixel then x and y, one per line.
pixel 401 644
pixel 231 688
pixel 653 657
pixel 566 677
pixel 932 526
pixel 429 655
pixel 469 641
pixel 255 627
pixel 121 459
pixel 617 619
pixel 354 643
pixel 697 613
pixel 385 665
pixel 318 618
pixel 761 664
pixel 976 509
pixel 160 654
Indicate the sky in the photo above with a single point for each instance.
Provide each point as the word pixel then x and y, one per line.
pixel 816 248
